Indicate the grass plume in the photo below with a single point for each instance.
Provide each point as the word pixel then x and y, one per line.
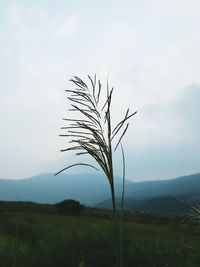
pixel 93 133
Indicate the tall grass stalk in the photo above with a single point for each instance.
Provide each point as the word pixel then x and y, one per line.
pixel 121 233
pixel 92 133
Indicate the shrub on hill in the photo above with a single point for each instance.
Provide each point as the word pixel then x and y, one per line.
pixel 69 207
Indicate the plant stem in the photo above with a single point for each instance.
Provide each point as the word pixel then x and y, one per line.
pixel 115 220
pixel 122 209
pixel 111 179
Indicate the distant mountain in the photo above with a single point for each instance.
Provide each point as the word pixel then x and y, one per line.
pixel 186 186
pixel 167 196
pixel 159 205
pixel 94 190
pixel 47 188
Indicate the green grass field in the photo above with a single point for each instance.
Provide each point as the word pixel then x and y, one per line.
pixel 38 239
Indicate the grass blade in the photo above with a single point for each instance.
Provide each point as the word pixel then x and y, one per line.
pixel 74 165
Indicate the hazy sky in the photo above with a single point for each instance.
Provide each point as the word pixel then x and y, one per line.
pixel 151 49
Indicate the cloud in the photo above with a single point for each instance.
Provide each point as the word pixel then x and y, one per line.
pixel 165 143
pixel 14 15
pixel 151 51
pixel 67 27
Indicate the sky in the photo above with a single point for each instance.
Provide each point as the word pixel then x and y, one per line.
pixel 150 49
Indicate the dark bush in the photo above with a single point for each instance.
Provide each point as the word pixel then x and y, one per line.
pixel 69 207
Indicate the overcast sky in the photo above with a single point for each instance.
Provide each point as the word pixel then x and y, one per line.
pixel 151 50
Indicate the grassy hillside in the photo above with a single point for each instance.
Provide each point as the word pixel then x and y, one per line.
pixel 167 205
pixel 38 239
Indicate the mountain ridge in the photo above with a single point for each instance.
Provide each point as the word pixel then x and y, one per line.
pixel 92 190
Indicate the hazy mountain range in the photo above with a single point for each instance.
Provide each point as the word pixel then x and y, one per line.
pixel 93 190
